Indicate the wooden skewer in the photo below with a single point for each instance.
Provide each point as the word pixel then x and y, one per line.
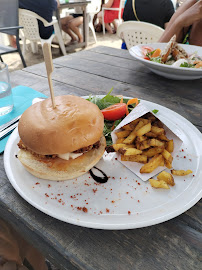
pixel 49 68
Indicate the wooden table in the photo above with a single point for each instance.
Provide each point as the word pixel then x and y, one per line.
pixel 72 4
pixel 175 244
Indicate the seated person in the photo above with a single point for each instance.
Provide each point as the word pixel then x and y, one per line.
pixel 44 9
pixel 71 23
pixel 186 24
pixel 157 12
pixel 110 15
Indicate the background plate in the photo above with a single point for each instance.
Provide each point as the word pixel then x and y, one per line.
pixel 124 202
pixel 175 73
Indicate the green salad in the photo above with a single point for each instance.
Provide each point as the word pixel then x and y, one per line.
pixel 105 102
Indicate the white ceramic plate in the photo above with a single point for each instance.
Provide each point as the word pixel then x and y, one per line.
pixel 170 72
pixel 124 202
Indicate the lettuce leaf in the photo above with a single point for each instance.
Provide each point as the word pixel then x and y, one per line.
pixel 185 64
pixel 105 102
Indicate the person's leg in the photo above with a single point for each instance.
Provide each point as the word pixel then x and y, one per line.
pixel 107 25
pixel 115 26
pixel 109 29
pixel 99 16
pixel 74 24
pixel 12 41
pixel 65 26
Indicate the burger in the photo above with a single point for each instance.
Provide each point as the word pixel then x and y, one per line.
pixel 61 143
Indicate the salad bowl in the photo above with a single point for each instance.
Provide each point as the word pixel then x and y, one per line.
pixel 169 71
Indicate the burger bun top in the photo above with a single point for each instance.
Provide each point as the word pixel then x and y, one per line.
pixel 73 124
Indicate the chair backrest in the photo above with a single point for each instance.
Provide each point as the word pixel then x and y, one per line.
pixel 134 33
pixel 28 20
pixel 121 6
pixel 9 16
pixel 93 7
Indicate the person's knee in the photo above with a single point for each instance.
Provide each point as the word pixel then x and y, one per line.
pixel 99 15
pixel 81 19
pixel 70 24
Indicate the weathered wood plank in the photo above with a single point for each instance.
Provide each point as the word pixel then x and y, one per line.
pixel 112 51
pixel 181 99
pixel 123 75
pixel 104 59
pixel 40 84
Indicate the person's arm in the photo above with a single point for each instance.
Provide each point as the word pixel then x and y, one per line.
pixel 108 4
pixel 58 3
pixel 168 12
pixel 189 13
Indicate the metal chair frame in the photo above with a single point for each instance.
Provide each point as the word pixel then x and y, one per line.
pixel 9 24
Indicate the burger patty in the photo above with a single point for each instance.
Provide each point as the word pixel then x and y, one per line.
pixel 81 150
pixel 88 148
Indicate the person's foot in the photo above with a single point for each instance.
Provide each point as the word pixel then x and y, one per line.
pixel 73 40
pixel 110 31
pixel 81 40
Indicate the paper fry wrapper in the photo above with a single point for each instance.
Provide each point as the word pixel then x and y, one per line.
pixel 172 132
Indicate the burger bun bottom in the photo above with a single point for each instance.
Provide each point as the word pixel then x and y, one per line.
pixel 59 169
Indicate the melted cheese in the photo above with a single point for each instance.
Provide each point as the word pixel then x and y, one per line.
pixel 68 156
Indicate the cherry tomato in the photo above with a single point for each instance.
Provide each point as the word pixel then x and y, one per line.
pixel 114 112
pixel 146 58
pixel 145 50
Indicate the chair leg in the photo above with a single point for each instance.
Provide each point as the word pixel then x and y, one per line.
pixel 20 52
pixel 34 47
pixel 93 31
pixel 1 58
pixel 103 24
pixel 22 36
pixel 24 46
pixel 59 37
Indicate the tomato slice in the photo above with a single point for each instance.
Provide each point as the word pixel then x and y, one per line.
pixel 146 50
pixel 114 112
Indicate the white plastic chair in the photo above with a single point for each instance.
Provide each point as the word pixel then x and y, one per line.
pixel 30 31
pixel 92 9
pixel 119 9
pixel 134 33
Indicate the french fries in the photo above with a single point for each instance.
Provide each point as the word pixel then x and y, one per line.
pixel 181 172
pixel 170 146
pixel 118 146
pixel 152 164
pixel 152 151
pixel 123 134
pixel 167 177
pixel 158 183
pixel 132 152
pixel 167 156
pixel 144 140
pixel 164 180
pixel 120 140
pixel 143 130
pixel 136 158
pixel 133 134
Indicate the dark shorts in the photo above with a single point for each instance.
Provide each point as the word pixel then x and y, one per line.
pixel 76 15
pixel 45 32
